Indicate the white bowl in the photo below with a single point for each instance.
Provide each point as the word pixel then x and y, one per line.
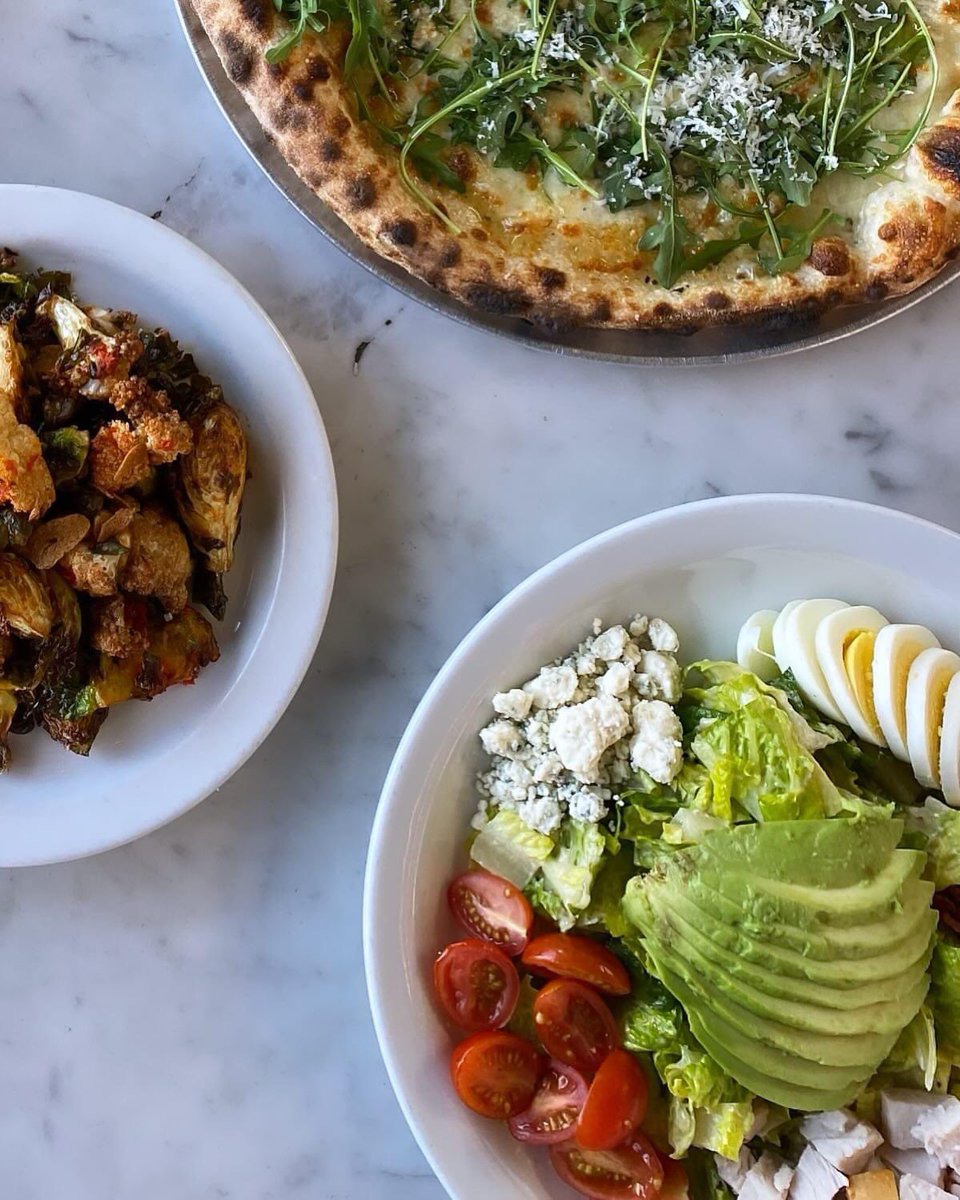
pixel 154 761
pixel 704 567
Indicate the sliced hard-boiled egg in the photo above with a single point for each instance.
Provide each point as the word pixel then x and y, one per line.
pixel 799 652
pixel 778 628
pixel 844 644
pixel 950 744
pixel 930 676
pixel 755 645
pixel 894 651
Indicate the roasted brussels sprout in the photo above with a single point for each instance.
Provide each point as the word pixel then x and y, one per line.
pixel 70 715
pixel 66 451
pixel 97 356
pixel 177 651
pixel 25 605
pixel 8 710
pixel 209 483
pixel 66 607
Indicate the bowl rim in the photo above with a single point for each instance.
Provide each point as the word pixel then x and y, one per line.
pixel 312 575
pixel 374 897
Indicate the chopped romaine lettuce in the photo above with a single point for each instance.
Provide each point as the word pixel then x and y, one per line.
pixel 913 1059
pixel 573 866
pixel 758 750
pixel 722 1128
pixel 652 1019
pixel 945 994
pixel 606 900
pixel 940 826
pixel 509 848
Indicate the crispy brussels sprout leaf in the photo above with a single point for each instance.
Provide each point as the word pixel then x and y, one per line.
pixel 8 710
pixel 25 605
pixel 15 527
pixel 66 606
pixel 208 591
pixel 209 483
pixel 70 323
pixel 66 452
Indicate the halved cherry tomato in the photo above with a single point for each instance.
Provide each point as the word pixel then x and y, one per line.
pixel 476 984
pixel 582 958
pixel 496 1074
pixel 631 1172
pixel 574 1024
pixel 676 1185
pixel 492 909
pixel 616 1103
pixel 555 1108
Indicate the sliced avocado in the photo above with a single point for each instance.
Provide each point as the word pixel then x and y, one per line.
pixel 853 1047
pixel 826 855
pixel 771 981
pixel 731 1049
pixel 869 900
pixel 816 938
pixel 878 1015
pixel 842 958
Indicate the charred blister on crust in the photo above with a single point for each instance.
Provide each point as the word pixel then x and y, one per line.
pixel 557 318
pixel 317 68
pixel 551 280
pixel 277 71
pixel 601 312
pixel 492 298
pixel 662 310
pixel 256 12
pixel 463 165
pixel 716 301
pixel 830 256
pixel 402 232
pixel 939 150
pixel 341 125
pixel 450 255
pixel 361 191
pixel 331 150
pixel 303 90
pixel 236 58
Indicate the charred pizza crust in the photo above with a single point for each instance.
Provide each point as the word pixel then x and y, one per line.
pixel 905 232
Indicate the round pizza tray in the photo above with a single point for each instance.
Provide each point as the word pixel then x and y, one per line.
pixel 704 348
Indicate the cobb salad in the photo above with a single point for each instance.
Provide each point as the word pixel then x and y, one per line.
pixel 714 913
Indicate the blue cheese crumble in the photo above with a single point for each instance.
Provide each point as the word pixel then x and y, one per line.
pixel 570 739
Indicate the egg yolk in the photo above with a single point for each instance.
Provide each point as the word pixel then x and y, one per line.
pixel 858 664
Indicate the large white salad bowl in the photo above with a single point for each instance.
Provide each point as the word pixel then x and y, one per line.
pixel 704 567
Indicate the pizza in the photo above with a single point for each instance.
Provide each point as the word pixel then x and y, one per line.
pixel 666 164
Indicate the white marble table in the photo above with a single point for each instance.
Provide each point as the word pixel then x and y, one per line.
pixel 185 1019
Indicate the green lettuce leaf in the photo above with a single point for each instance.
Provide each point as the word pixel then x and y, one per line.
pixel 722 1128
pixel 563 888
pixel 652 1019
pixel 945 995
pixel 939 826
pixel 606 899
pixel 509 848
pixel 704 1179
pixel 913 1059
pixel 758 750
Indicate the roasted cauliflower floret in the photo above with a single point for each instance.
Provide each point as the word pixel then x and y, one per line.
pixel 92 569
pixel 25 481
pixel 158 563
pixel 119 458
pixel 124 451
pixel 118 626
pixel 95 360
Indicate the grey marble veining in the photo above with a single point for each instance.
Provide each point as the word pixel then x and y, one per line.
pixel 186 1017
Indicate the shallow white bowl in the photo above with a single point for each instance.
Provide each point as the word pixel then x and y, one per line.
pixel 154 761
pixel 704 567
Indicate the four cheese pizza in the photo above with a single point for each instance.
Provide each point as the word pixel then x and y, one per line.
pixel 629 163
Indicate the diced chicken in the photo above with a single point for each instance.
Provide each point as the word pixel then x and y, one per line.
pixel 913 1162
pixel 734 1174
pixel 938 1130
pixel 953 1187
pixel 768 1179
pixel 914 1120
pixel 912 1187
pixel 815 1178
pixel 845 1142
pixel 873 1185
